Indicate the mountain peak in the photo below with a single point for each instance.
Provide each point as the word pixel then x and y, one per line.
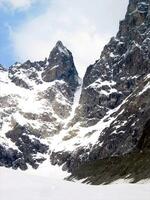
pixel 61 66
pixel 59 50
pixel 59 43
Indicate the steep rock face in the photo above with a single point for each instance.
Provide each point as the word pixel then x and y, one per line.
pixel 42 107
pixel 114 104
pixel 123 63
pixel 61 66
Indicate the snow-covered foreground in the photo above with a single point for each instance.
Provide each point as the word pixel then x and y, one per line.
pixel 16 185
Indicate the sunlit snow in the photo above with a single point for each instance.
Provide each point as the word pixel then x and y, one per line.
pixel 16 185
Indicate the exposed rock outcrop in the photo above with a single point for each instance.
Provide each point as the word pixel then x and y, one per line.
pixel 124 62
pixel 114 102
pixel 109 119
pixel 35 99
pixel 60 66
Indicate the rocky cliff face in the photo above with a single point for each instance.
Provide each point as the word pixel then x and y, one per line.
pixel 114 103
pixel 123 63
pixel 61 66
pixel 44 110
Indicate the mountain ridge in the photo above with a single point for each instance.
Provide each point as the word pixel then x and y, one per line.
pixel 33 109
pixel 46 109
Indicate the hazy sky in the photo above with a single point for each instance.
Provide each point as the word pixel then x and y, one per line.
pixel 30 28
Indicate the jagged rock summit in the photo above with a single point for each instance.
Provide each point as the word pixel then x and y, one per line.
pixel 46 111
pixel 113 109
pixel 61 66
pixel 35 99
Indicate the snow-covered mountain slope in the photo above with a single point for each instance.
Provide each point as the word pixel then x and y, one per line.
pixel 34 106
pixel 26 186
pixel 112 118
pixel 47 111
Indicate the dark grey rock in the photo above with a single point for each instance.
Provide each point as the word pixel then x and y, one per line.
pixel 28 146
pixel 124 62
pixel 120 74
pixel 61 66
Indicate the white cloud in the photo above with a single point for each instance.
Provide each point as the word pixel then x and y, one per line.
pixel 16 4
pixel 84 27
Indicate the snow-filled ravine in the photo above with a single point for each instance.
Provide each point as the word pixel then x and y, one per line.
pixel 47 183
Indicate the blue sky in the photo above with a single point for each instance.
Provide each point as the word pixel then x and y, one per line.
pixel 30 28
pixel 12 17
